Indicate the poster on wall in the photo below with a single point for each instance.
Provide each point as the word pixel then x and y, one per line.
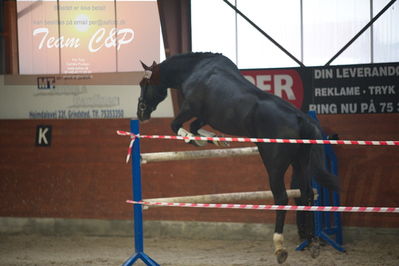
pixel 58 97
pixel 344 89
pixel 81 59
pixel 70 37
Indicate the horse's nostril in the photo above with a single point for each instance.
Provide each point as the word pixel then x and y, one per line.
pixel 142 106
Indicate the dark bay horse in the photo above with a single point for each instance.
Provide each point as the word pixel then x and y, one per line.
pixel 216 94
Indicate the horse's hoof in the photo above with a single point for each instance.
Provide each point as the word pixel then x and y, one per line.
pixel 209 134
pixel 198 143
pixel 314 248
pixel 221 143
pixel 184 133
pixel 302 236
pixel 281 255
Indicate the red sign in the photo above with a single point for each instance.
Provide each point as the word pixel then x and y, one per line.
pixel 285 83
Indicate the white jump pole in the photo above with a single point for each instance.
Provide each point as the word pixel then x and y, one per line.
pixel 226 197
pixel 211 198
pixel 200 154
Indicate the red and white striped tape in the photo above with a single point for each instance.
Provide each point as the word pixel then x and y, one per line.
pixel 266 140
pixel 271 207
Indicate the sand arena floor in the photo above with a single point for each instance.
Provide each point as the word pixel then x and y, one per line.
pixel 37 249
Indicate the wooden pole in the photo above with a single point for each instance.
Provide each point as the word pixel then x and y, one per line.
pixel 226 197
pixel 200 154
pixel 11 39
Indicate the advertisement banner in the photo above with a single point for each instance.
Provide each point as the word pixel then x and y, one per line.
pixel 344 89
pixel 69 37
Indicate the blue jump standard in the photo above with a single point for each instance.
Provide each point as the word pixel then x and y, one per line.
pixel 137 209
pixel 323 228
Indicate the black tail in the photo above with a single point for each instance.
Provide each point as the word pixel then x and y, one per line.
pixel 317 157
pixel 319 171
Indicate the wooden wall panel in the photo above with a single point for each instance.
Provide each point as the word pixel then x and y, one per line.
pixel 369 174
pixel 83 174
pixel 79 176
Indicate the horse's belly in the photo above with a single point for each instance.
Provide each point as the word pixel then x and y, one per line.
pixel 229 123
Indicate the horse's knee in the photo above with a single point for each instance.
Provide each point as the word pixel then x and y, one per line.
pixel 306 198
pixel 175 126
pixel 196 125
pixel 310 196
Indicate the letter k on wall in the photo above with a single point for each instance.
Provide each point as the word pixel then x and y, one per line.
pixel 43 135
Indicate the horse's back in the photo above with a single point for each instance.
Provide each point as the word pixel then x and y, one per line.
pixel 223 98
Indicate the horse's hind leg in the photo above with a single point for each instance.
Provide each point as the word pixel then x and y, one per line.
pixel 300 215
pixel 302 179
pixel 277 159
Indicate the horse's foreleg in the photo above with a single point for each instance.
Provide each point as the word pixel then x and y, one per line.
pixel 196 125
pixel 184 115
pixel 196 128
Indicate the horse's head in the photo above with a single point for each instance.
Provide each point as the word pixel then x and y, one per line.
pixel 151 92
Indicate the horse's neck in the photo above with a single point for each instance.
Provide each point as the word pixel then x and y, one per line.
pixel 176 72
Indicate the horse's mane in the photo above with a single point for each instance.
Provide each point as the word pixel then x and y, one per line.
pixel 197 55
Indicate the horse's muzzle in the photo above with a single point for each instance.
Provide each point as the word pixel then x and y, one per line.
pixel 142 115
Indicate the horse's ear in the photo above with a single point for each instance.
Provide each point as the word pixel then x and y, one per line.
pixel 144 65
pixel 154 64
